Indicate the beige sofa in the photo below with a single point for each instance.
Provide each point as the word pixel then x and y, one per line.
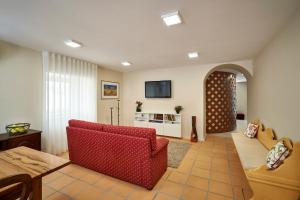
pixel 282 183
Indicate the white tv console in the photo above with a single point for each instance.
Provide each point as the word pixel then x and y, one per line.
pixel 165 124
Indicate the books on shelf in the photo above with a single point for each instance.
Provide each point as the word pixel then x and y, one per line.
pixel 170 117
pixel 158 117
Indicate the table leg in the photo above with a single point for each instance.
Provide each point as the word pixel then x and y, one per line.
pixel 36 189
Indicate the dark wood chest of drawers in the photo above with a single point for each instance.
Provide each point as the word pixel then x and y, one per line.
pixel 31 139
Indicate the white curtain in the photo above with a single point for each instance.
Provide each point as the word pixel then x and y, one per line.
pixel 69 92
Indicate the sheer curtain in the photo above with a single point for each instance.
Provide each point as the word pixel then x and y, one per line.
pixel 69 92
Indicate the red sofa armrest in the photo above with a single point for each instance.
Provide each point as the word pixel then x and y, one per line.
pixel 161 144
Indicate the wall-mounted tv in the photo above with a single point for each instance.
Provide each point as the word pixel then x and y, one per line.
pixel 158 89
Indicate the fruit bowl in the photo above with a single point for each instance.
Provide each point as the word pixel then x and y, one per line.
pixel 18 128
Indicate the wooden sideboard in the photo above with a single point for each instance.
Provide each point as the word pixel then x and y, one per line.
pixel 31 139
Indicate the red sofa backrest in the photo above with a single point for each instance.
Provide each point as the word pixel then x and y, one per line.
pixel 85 125
pixel 147 133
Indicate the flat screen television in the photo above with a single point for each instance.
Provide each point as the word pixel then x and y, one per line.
pixel 158 89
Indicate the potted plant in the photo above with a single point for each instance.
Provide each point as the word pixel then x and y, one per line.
pixel 139 106
pixel 178 109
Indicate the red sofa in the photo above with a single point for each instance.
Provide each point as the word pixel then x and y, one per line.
pixel 129 153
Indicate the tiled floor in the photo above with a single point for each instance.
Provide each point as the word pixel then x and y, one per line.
pixel 211 170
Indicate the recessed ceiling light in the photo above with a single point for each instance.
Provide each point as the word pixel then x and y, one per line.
pixel 172 18
pixel 193 55
pixel 72 43
pixel 126 63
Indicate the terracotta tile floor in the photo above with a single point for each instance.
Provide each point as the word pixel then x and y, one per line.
pixel 211 170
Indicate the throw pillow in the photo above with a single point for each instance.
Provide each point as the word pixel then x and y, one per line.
pixel 276 155
pixel 251 130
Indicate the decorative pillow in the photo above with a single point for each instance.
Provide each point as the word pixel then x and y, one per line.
pixel 251 130
pixel 276 155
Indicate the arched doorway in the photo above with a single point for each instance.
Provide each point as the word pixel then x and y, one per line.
pixel 222 78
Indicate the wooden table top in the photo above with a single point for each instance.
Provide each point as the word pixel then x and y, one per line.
pixel 26 160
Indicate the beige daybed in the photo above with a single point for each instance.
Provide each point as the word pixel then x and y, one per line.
pixel 282 183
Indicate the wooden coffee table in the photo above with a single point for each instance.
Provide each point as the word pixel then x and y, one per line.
pixel 35 163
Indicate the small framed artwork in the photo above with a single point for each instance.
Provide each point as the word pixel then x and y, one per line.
pixel 109 90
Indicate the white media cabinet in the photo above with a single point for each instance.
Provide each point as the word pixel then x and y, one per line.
pixel 165 124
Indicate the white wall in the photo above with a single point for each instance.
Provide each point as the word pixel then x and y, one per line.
pixel 105 104
pixel 241 98
pixel 21 90
pixel 187 90
pixel 20 86
pixel 274 91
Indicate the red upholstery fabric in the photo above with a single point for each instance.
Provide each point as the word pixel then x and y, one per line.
pixel 159 159
pixel 122 156
pixel 161 143
pixel 133 131
pixel 86 125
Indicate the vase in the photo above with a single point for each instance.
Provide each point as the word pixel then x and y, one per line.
pixel 194 135
pixel 138 109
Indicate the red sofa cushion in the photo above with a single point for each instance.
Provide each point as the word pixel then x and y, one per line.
pixel 86 125
pixel 148 133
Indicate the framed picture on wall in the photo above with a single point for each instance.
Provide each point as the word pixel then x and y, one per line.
pixel 109 90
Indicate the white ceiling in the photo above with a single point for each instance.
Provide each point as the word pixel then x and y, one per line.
pixel 114 31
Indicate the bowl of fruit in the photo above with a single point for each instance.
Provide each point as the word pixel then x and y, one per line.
pixel 18 128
